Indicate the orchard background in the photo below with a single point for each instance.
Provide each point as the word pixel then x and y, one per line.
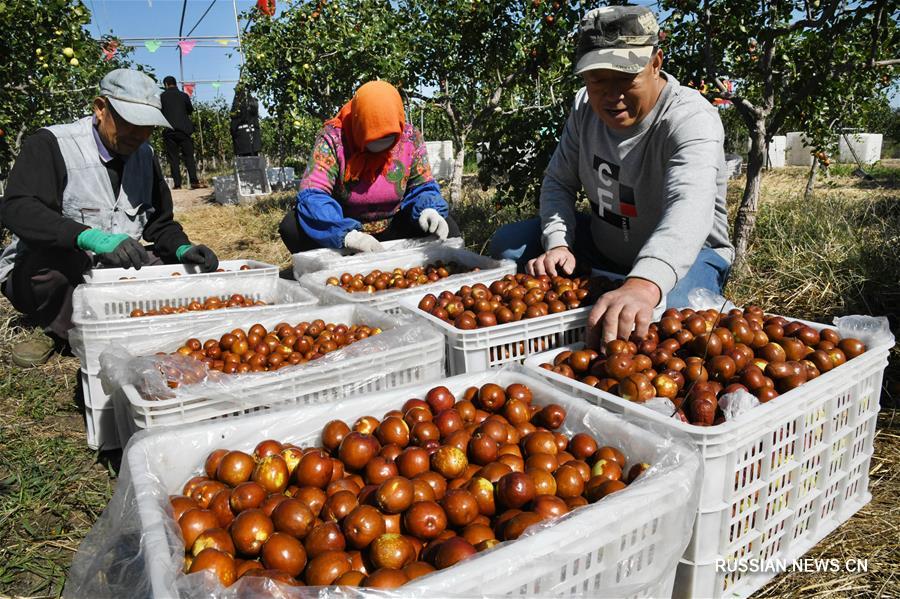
pixel 495 78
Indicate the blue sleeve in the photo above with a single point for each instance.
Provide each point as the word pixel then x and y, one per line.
pixel 322 218
pixel 427 195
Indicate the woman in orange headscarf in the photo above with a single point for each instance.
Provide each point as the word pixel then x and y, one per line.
pixel 368 180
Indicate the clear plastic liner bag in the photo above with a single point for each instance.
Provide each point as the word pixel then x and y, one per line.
pixel 627 544
pixel 168 335
pixel 736 403
pixel 163 377
pixel 155 377
pixel 660 405
pixel 704 299
pixel 489 270
pixel 101 312
pixel 324 258
pixel 874 331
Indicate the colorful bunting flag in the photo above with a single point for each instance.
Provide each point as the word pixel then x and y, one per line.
pixel 188 88
pixel 216 85
pixel 222 42
pixel 186 46
pixel 266 7
pixel 152 45
pixel 109 50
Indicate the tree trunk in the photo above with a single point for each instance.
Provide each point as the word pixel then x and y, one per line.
pixel 458 162
pixel 746 216
pixel 811 180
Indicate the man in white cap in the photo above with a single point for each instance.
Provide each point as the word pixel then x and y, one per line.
pixel 83 191
pixel 649 155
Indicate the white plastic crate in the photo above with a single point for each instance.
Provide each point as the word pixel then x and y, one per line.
pixel 232 269
pixel 99 419
pixel 414 355
pixel 778 478
pixel 100 312
pixel 476 350
pixel 624 546
pixel 322 258
pixel 389 299
pixel 494 347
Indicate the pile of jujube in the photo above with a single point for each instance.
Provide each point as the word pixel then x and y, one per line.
pixel 383 502
pixel 694 358
pixel 397 278
pixel 211 303
pixel 260 350
pixel 513 298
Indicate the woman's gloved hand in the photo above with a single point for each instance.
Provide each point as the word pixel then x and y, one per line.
pixel 432 222
pixel 361 242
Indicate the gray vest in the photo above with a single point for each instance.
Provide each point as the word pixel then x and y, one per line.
pixel 88 197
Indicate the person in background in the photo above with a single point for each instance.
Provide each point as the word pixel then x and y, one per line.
pixel 85 190
pixel 368 180
pixel 177 108
pixel 649 155
pixel 245 131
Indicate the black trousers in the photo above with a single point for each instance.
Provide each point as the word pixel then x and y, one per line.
pixel 180 145
pixel 40 286
pixel 402 226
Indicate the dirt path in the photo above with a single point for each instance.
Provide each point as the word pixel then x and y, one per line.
pixel 185 199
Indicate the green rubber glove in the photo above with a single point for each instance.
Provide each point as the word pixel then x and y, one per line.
pixel 181 250
pixel 100 242
pixel 200 255
pixel 114 249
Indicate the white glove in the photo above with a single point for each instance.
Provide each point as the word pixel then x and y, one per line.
pixel 432 222
pixel 361 242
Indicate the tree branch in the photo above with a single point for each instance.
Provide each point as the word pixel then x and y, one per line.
pixel 828 13
pixel 494 99
pixel 524 109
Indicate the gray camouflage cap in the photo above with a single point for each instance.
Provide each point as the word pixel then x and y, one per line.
pixel 621 38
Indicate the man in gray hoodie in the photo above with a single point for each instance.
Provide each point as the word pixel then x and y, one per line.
pixel 648 154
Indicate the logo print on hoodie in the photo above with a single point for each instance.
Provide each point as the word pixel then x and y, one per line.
pixel 615 201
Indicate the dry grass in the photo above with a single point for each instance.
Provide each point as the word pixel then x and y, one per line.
pixel 833 255
pixel 249 230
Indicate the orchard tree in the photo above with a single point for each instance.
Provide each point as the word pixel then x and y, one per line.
pixel 311 59
pixel 212 137
pixel 305 64
pixel 483 63
pixel 802 61
pixel 51 67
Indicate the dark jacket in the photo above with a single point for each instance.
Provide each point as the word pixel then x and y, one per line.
pixel 32 205
pixel 245 132
pixel 177 108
